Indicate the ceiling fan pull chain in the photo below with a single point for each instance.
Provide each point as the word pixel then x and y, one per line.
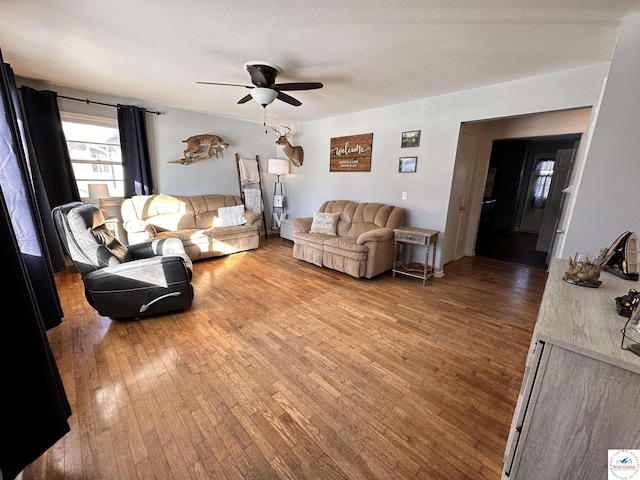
pixel 265 122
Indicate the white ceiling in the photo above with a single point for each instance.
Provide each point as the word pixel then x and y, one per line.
pixel 367 53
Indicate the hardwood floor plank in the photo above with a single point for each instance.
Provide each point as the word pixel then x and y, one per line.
pixel 281 369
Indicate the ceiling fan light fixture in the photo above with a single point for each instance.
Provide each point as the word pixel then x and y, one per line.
pixel 264 96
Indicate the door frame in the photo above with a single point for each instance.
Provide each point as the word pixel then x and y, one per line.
pixel 562 122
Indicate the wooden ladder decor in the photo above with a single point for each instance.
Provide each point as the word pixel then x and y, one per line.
pixel 250 184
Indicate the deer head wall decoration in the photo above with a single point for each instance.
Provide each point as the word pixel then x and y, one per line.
pixel 295 154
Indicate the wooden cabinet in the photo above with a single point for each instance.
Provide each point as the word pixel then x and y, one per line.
pixel 579 395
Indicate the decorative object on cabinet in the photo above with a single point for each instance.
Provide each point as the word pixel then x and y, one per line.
pixel 627 304
pixel 584 270
pixel 277 166
pixel 351 154
pixel 410 139
pixel 250 184
pixel 293 153
pixel 404 237
pixel 623 256
pixel 201 147
pixel 408 164
pixel 631 332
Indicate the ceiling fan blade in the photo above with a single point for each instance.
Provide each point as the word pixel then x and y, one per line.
pixel 245 99
pixel 227 84
pixel 298 86
pixel 261 75
pixel 288 99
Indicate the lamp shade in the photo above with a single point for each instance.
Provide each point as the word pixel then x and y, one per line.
pixel 264 96
pixel 278 166
pixel 98 190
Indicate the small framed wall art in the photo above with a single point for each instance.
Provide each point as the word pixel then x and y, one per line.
pixel 410 139
pixel 408 164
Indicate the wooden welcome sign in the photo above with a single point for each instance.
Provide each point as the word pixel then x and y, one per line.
pixel 351 154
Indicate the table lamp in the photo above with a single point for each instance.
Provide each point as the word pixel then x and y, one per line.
pixel 99 191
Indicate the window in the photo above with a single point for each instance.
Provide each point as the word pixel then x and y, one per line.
pixel 544 175
pixel 94 148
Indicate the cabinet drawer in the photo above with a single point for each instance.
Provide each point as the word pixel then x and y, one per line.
pixel 414 238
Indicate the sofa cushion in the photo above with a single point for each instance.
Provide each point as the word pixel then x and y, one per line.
pixel 164 212
pixel 205 207
pixel 325 222
pixel 346 247
pixel 231 216
pixel 191 236
pixel 315 240
pixel 345 208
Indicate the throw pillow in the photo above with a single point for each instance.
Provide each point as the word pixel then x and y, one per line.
pixel 106 237
pixel 232 216
pixel 324 222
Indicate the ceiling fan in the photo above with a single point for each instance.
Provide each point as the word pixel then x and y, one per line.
pixel 265 90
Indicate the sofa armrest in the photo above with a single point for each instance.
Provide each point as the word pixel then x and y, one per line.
pixel 253 218
pixel 139 230
pixel 375 235
pixel 161 247
pixel 302 224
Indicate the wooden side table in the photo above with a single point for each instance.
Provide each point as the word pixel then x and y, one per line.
pixel 112 223
pixel 405 237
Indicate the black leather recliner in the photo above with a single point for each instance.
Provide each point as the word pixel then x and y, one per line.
pixel 124 281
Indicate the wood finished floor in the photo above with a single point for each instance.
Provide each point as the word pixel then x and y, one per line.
pixel 281 369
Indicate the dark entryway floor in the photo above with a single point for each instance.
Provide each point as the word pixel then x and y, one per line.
pixel 516 247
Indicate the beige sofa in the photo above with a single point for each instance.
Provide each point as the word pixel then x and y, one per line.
pixel 208 225
pixel 360 242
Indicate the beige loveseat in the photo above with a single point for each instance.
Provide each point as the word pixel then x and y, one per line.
pixel 208 225
pixel 354 238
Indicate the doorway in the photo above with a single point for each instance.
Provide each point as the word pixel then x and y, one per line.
pixel 522 200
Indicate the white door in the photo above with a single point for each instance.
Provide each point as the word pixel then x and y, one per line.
pixel 533 214
pixel 555 201
pixel 460 192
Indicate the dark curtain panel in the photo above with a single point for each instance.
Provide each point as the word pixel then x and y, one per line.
pixel 52 173
pixel 135 151
pixel 35 409
pixel 49 145
pixel 33 225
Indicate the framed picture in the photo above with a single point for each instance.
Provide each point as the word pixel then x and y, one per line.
pixel 410 139
pixel 408 164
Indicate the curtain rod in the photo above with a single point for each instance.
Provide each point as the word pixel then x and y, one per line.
pixel 87 101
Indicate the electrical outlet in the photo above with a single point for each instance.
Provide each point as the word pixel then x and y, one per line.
pixel 404 195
